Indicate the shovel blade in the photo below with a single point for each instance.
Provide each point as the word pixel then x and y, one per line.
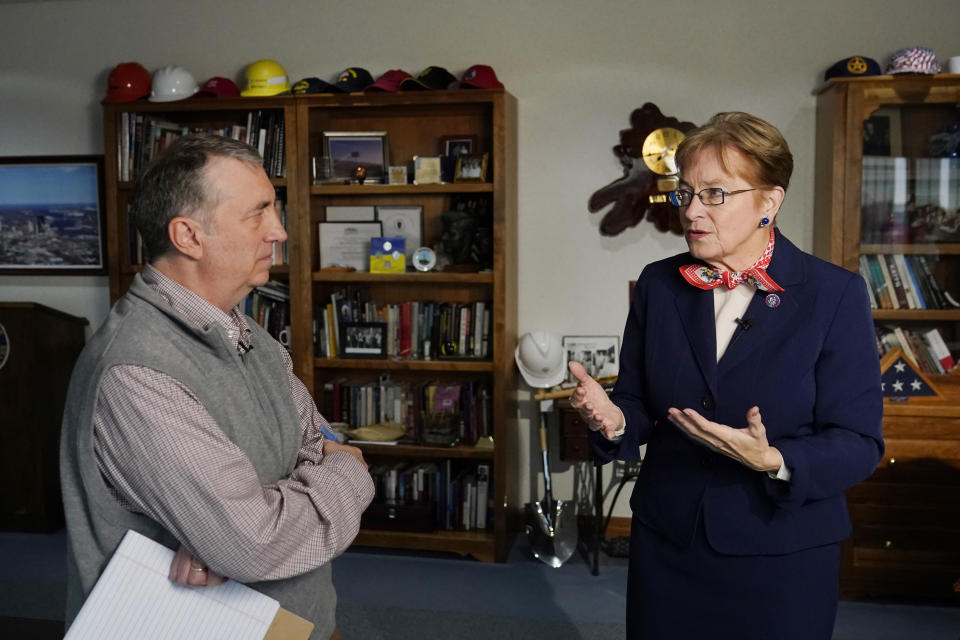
pixel 553 535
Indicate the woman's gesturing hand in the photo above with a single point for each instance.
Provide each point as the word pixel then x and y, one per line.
pixel 748 446
pixel 591 401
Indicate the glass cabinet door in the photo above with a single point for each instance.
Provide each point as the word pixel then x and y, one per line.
pixel 910 229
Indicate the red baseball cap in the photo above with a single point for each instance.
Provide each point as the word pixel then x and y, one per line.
pixel 480 76
pixel 219 87
pixel 390 81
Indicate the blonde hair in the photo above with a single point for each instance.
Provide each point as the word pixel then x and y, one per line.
pixel 759 141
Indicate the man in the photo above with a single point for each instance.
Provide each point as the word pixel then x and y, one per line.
pixel 184 420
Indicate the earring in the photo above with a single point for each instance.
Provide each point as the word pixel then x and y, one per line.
pixel 764 221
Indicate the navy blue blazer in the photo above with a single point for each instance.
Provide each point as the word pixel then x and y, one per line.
pixel 810 364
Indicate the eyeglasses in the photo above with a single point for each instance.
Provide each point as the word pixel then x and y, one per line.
pixel 710 196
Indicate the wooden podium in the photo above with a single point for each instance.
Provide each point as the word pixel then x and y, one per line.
pixel 38 348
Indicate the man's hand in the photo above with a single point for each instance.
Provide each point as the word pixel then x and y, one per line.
pixel 189 570
pixel 593 404
pixel 329 446
pixel 747 446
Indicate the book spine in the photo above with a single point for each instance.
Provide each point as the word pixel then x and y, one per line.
pixel 865 274
pixel 939 349
pixel 905 346
pixel 891 284
pixel 913 300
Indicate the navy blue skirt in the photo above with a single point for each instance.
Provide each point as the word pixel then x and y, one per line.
pixel 699 593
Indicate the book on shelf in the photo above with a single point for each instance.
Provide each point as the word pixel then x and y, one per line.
pixel 454 493
pixel 879 284
pixel 925 348
pixel 269 306
pixel 141 136
pixel 865 274
pixel 420 329
pixel 896 279
pixel 888 282
pixel 939 350
pixel 432 413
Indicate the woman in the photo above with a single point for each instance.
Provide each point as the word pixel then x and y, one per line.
pixel 750 371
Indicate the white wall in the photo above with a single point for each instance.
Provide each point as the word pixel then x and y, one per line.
pixel 577 68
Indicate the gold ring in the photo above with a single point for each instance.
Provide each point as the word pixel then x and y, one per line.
pixel 198 569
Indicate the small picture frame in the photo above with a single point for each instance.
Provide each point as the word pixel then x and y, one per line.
pixel 349 150
pixel 458 145
pixel 426 169
pixel 350 213
pixel 405 222
pixel 881 133
pixel 599 355
pixel 363 339
pixel 471 167
pixel 397 175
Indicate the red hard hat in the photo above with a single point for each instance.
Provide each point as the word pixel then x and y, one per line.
pixel 128 81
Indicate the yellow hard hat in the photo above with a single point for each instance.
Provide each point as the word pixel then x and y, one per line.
pixel 266 78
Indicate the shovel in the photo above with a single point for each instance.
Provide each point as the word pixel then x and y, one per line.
pixel 551 524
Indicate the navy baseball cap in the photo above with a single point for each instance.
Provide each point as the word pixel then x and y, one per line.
pixel 852 67
pixel 354 79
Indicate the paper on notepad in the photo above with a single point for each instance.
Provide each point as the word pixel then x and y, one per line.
pixel 135 598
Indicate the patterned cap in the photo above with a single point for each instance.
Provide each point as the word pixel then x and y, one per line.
pixel 914 60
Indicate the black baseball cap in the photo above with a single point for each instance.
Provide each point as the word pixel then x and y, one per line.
pixel 429 78
pixel 314 85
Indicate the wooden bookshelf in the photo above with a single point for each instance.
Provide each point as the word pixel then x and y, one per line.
pixel 414 122
pixel 874 197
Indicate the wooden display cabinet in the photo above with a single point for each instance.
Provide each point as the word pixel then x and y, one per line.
pixel 415 124
pixel 887 191
pixel 38 348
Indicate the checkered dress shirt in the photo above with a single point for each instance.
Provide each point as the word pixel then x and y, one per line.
pixel 164 456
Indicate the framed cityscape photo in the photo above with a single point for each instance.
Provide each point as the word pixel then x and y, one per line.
pixel 52 215
pixel 599 355
pixel 363 339
pixel 350 150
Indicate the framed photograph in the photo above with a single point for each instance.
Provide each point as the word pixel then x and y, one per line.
pixel 471 167
pixel 340 213
pixel 52 215
pixel 397 175
pixel 599 355
pixel 363 339
pixel 458 145
pixel 881 133
pixel 349 150
pixel 347 244
pixel 405 222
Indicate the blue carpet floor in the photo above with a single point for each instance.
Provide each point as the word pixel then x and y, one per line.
pixel 400 596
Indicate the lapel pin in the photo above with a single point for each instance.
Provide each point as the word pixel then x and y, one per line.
pixel 773 301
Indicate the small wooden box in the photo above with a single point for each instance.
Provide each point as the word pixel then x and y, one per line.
pixel 574 446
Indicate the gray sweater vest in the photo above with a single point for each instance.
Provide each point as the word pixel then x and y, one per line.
pixel 250 400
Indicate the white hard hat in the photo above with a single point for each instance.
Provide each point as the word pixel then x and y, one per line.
pixel 172 83
pixel 541 359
